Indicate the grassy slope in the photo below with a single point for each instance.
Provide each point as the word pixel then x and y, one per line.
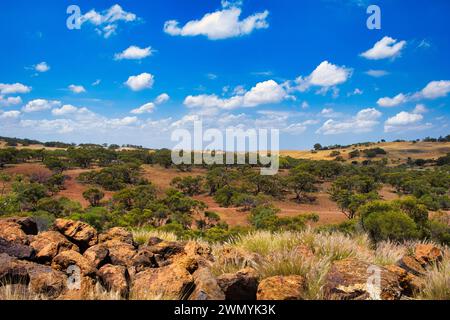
pixel 396 151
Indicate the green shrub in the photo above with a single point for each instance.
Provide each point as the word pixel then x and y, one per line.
pixel 390 225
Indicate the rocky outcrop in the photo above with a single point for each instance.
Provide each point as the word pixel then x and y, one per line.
pixel 409 283
pixel 427 254
pixel 143 259
pixel 49 244
pixel 411 269
pixel 172 282
pixel 27 224
pixel 206 286
pixel 118 234
pixel 72 258
pixel 16 250
pixel 120 253
pixel 282 288
pixel 42 280
pixel 241 285
pixel 77 232
pixel 352 279
pixel 412 265
pixel 115 279
pixel 12 231
pixel 98 255
pixel 73 262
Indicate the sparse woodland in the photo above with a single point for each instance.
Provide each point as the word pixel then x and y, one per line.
pixel 374 230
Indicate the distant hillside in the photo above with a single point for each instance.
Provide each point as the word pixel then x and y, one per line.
pixel 398 152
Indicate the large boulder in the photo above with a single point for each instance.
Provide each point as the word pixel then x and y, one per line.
pixel 12 270
pixel 119 234
pixel 85 288
pixel 409 283
pixel 27 224
pixel 427 254
pixel 66 259
pixel 143 259
pixel 241 285
pixel 206 286
pixel 167 249
pixel 16 250
pixel 412 265
pixel 12 231
pixel 120 253
pixel 42 280
pixel 49 244
pixel 164 251
pixel 352 279
pixel 281 288
pixel 98 255
pixel 77 232
pixel 199 250
pixel 46 282
pixel 115 279
pixel 167 283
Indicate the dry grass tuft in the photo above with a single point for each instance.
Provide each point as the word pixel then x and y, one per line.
pixel 141 236
pixel 437 280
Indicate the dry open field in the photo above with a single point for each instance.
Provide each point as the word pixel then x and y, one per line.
pixel 397 151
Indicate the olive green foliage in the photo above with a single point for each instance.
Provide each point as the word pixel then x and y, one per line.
pixel 94 196
pixel 190 186
pixel 113 178
pixel 401 219
pixel 265 218
pixel 350 192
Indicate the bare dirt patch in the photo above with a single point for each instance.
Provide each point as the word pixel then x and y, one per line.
pixel 73 189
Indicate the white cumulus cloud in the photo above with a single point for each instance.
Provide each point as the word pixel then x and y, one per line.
pixel 221 24
pixel 162 98
pixel 436 89
pixel 42 67
pixel 134 53
pixel 40 105
pixel 364 121
pixel 9 101
pixel 326 75
pixel 392 102
pixel 420 109
pixel 405 121
pixel 140 82
pixel 13 88
pixel 385 48
pixel 107 21
pixel 9 114
pixel 67 110
pixel 77 88
pixel 262 93
pixel 146 108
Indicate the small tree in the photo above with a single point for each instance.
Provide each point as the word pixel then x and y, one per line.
pixel 55 164
pixel 302 183
pixel 190 186
pixel 94 196
pixel 386 221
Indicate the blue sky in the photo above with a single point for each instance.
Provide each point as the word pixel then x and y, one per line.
pixel 137 70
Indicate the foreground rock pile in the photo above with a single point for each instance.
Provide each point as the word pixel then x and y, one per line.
pixel 73 261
